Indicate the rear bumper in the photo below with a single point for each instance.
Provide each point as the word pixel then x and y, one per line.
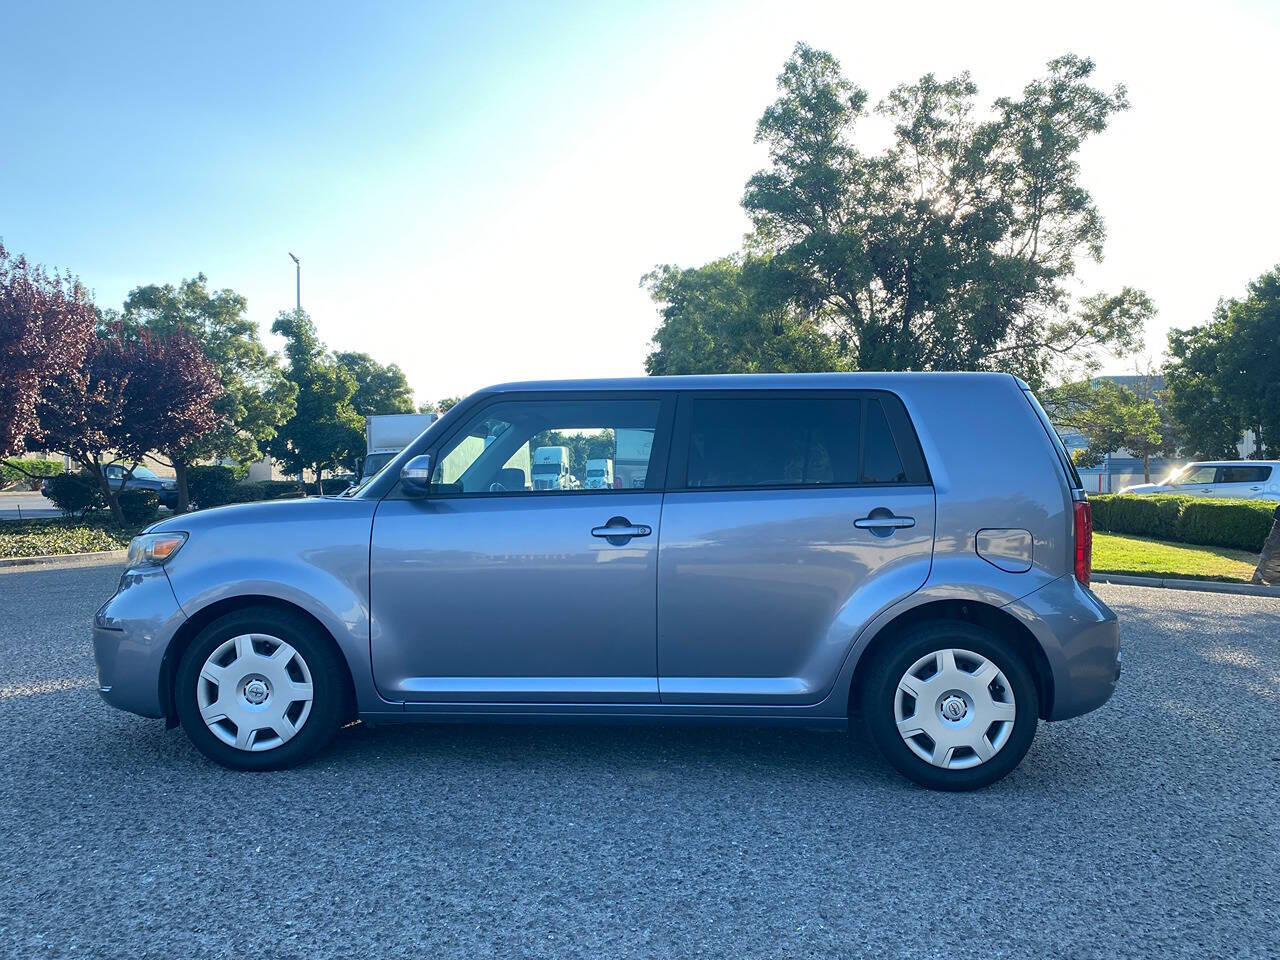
pixel 1080 636
pixel 131 634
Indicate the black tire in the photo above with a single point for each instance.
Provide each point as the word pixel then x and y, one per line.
pixel 890 666
pixel 329 706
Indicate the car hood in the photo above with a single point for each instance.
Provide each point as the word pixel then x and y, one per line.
pixel 264 512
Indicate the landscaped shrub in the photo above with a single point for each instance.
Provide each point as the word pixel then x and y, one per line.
pixel 1243 524
pixel 138 506
pixel 211 486
pixel 334 485
pixel 281 489
pixel 1147 516
pixel 1240 524
pixel 30 473
pixel 74 493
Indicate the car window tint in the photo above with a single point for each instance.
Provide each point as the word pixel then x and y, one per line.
pixel 537 446
pixel 880 460
pixel 1244 474
pixel 775 441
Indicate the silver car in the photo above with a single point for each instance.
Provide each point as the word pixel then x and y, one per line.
pixel 909 551
pixel 1242 479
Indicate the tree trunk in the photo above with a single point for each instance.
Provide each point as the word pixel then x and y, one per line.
pixel 180 475
pixel 1268 570
pixel 1146 468
pixel 113 501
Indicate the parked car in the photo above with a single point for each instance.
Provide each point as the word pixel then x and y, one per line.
pixel 1248 479
pixel 909 552
pixel 165 488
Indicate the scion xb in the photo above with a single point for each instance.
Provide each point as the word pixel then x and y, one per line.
pixel 904 552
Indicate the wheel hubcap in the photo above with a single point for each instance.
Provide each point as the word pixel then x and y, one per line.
pixel 254 692
pixel 954 708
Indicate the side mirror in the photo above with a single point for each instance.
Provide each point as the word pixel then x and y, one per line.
pixel 416 474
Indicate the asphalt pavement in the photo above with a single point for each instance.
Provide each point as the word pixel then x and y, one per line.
pixel 25 505
pixel 1150 828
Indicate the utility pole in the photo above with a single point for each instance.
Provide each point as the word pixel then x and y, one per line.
pixel 298 268
pixel 298 264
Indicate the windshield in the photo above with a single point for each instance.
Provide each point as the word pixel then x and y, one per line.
pixel 375 462
pixel 546 468
pixel 142 473
pixel 1173 476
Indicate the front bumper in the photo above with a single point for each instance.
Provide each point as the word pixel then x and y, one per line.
pixel 1080 636
pixel 131 634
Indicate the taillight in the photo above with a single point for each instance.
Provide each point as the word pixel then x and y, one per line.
pixel 1084 540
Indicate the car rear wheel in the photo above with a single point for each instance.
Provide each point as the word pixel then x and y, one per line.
pixel 951 705
pixel 260 689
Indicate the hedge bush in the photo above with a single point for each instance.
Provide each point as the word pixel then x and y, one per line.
pixel 1240 524
pixel 74 493
pixel 211 486
pixel 139 507
pixel 31 468
pixel 280 489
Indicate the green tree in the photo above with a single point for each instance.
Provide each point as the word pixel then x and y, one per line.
pixel 256 397
pixel 325 431
pixel 379 389
pixel 953 248
pixel 1224 376
pixel 725 317
pixel 1113 418
pixel 441 406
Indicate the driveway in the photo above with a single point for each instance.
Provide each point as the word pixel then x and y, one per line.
pixel 1150 828
pixel 25 505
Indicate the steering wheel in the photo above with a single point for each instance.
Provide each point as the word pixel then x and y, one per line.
pixel 497 487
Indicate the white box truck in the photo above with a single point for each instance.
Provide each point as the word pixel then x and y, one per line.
pixel 599 474
pixel 387 435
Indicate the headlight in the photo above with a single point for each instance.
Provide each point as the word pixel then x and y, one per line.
pixel 153 549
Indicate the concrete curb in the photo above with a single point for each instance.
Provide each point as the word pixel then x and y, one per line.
pixel 55 557
pixel 1208 586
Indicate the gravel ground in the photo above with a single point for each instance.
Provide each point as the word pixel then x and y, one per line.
pixel 1149 828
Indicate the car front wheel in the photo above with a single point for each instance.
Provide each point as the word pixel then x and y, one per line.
pixel 260 689
pixel 951 705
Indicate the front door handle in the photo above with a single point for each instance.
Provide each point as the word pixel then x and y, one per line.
pixel 618 530
pixel 882 522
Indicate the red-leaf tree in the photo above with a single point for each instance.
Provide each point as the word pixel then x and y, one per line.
pixel 46 327
pixel 131 396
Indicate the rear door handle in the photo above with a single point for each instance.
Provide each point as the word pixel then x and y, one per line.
pixel 618 530
pixel 884 523
pixel 881 522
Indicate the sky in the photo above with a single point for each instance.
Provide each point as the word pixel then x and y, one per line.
pixel 475 190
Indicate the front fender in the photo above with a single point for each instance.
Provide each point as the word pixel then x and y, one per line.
pixel 315 558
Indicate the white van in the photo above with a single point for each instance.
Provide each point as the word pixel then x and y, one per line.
pixel 551 469
pixel 599 474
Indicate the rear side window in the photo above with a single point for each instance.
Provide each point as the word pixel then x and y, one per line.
pixel 770 442
pixel 788 440
pixel 1244 475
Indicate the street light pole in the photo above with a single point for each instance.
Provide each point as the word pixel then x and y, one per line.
pixel 298 264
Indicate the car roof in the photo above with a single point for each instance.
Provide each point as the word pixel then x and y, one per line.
pixel 746 381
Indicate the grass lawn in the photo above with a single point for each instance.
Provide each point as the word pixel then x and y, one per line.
pixel 39 538
pixel 1142 557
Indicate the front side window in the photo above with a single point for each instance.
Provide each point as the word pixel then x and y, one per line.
pixel 1245 475
pixel 1196 475
pixel 774 441
pixel 543 446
